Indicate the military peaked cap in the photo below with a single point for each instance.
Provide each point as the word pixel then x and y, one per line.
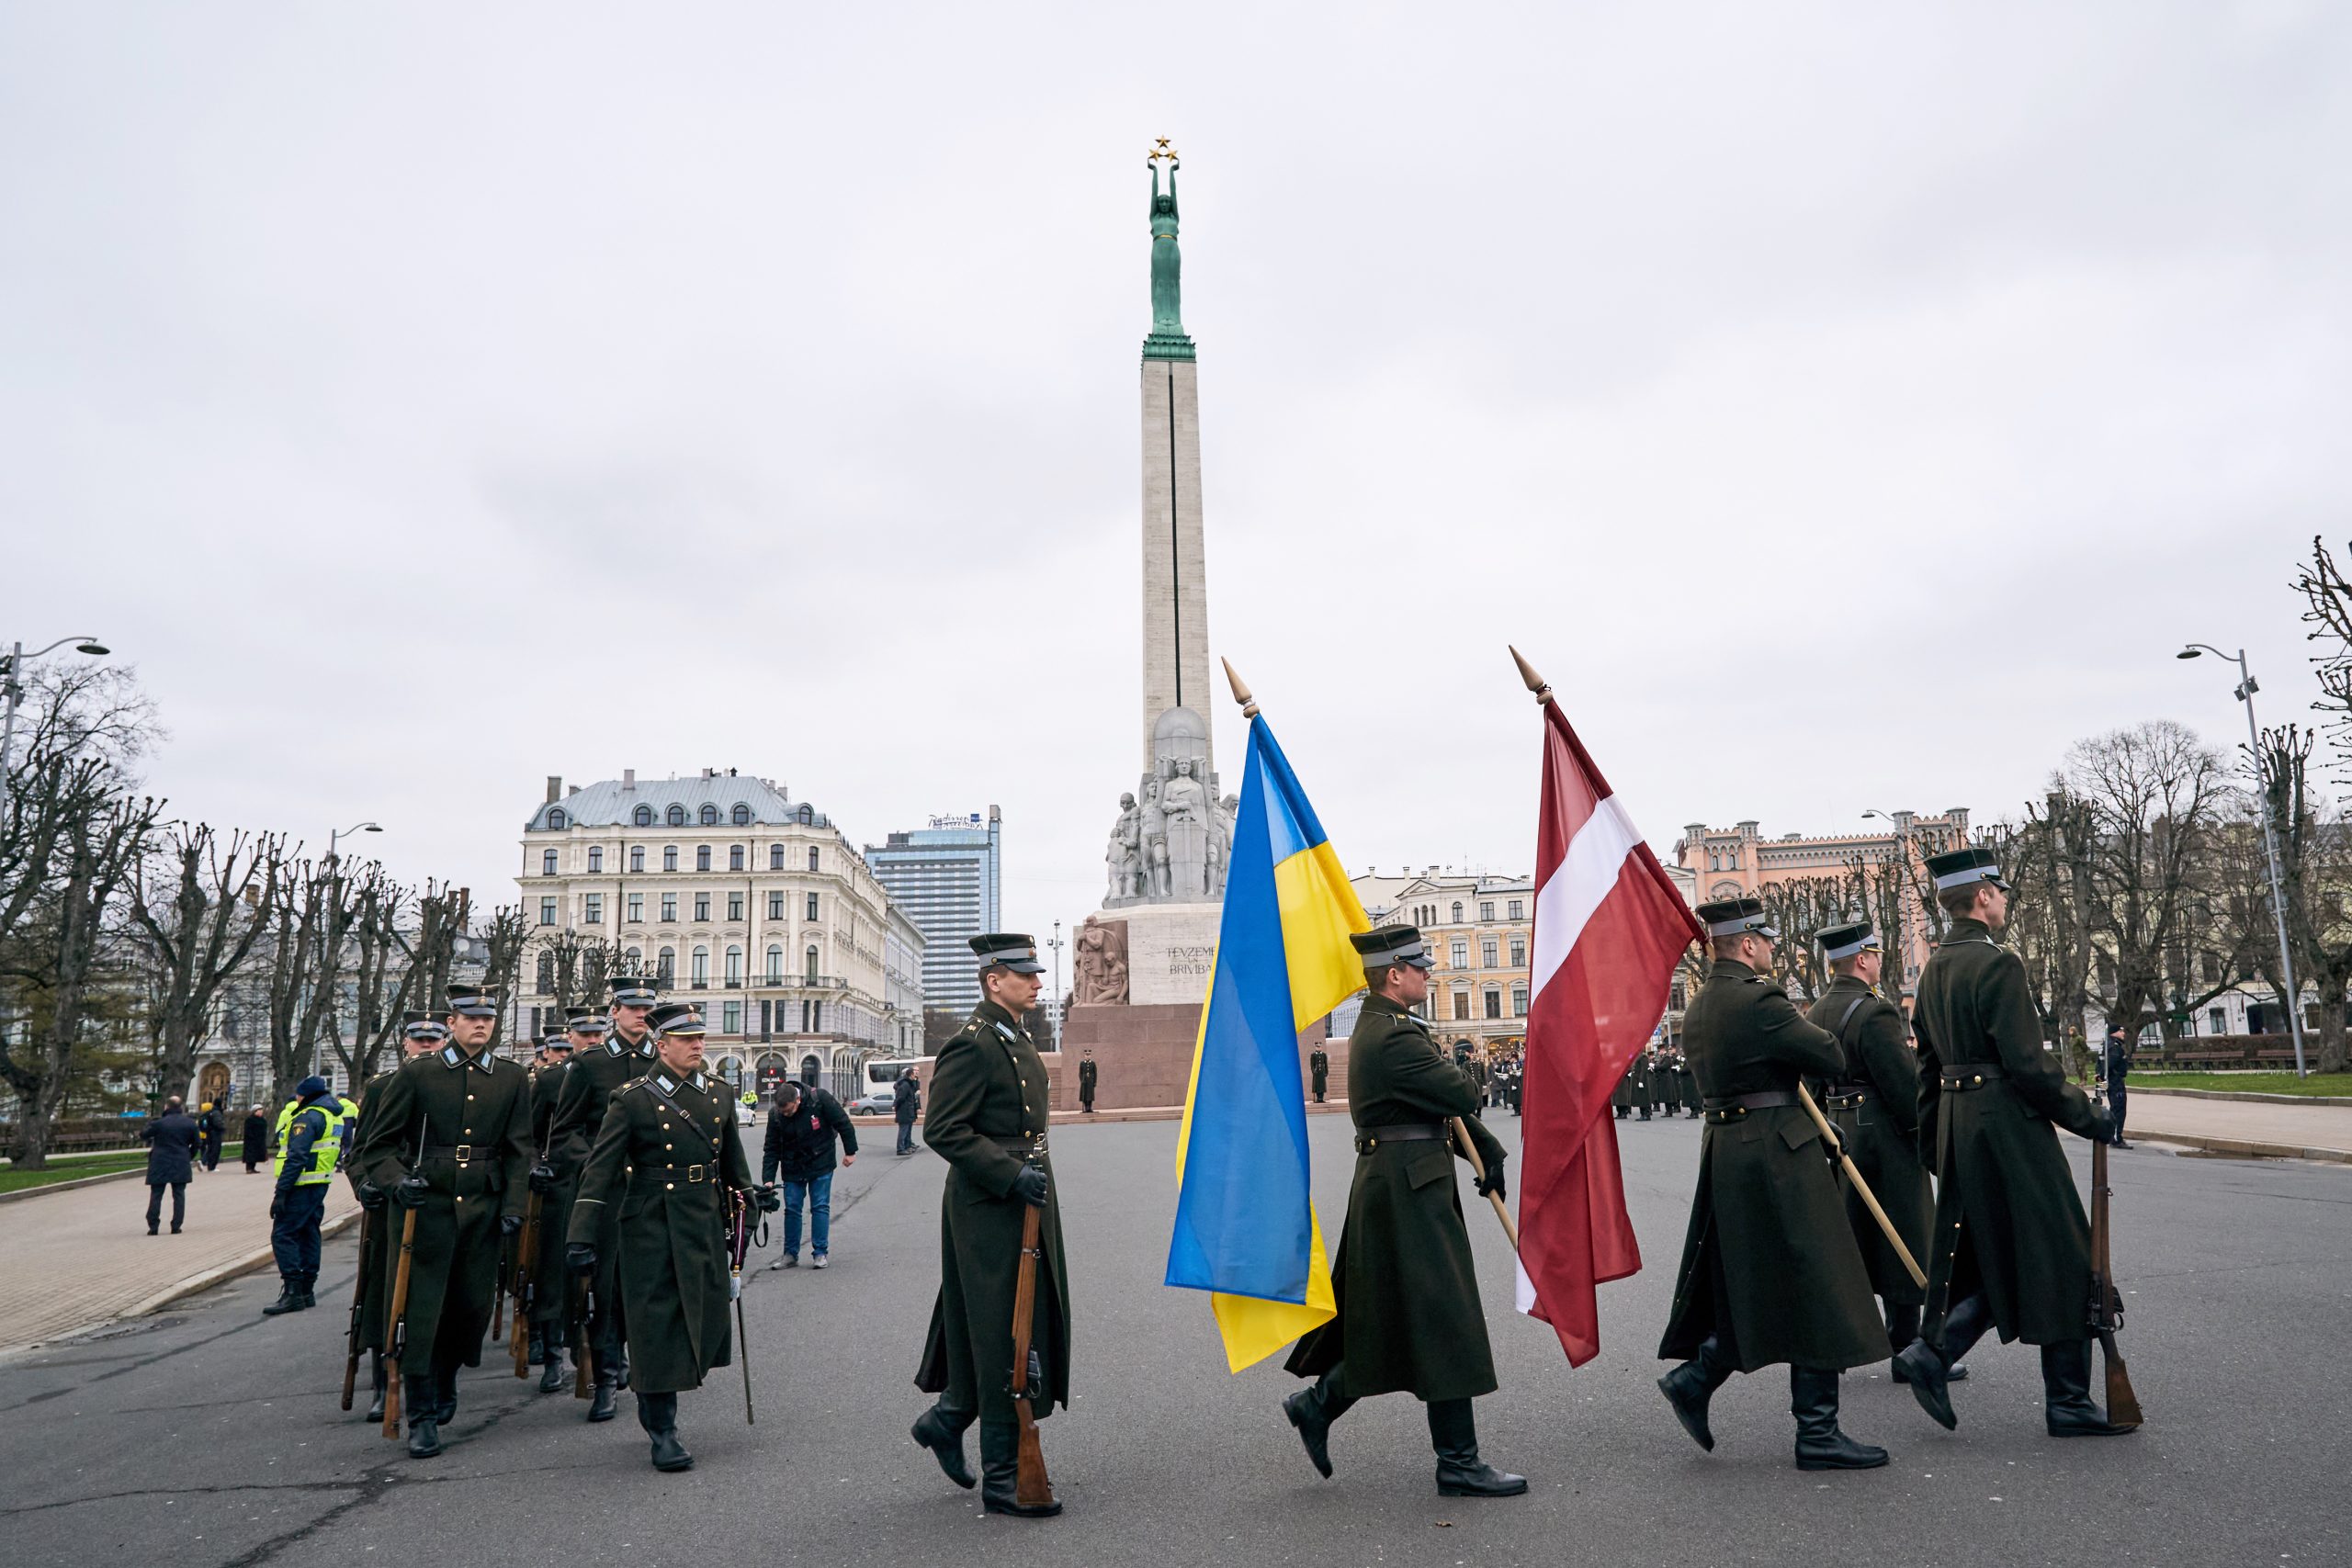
pixel 675 1017
pixel 1385 945
pixel 416 1024
pixel 633 991
pixel 1737 917
pixel 585 1020
pixel 473 1000
pixel 1011 948
pixel 1844 942
pixel 1960 867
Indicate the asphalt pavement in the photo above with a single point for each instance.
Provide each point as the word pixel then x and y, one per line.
pixel 209 1435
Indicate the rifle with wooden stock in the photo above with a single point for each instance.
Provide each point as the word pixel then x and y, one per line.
pixel 360 1288
pixel 526 1286
pixel 396 1332
pixel 2106 1304
pixel 1032 1487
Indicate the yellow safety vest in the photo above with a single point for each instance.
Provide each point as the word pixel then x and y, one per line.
pixel 324 1153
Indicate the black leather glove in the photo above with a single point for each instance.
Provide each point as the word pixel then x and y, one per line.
pixel 543 1179
pixel 580 1259
pixel 1493 1181
pixel 278 1205
pixel 1036 1374
pixel 410 1193
pixel 370 1195
pixel 510 1224
pixel 2105 1132
pixel 1030 1186
pixel 768 1198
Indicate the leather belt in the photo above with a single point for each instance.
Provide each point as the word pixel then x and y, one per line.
pixel 1371 1138
pixel 1722 1109
pixel 670 1175
pixel 1020 1143
pixel 462 1153
pixel 1966 1076
pixel 1847 1096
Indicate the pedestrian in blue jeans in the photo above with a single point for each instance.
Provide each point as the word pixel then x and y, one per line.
pixel 802 1127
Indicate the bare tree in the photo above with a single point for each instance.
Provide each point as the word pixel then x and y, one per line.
pixel 2314 842
pixel 1800 909
pixel 382 979
pixel 441 916
pixel 206 910
pixel 308 930
pixel 503 937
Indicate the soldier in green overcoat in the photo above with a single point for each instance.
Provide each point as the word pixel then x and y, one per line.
pixel 470 1114
pixel 1770 1270
pixel 551 1299
pixel 665 1163
pixel 2012 1247
pixel 590 1080
pixel 420 1035
pixel 1407 1289
pixel 991 1103
pixel 1873 1102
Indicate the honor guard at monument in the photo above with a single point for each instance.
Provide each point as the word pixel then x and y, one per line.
pixel 1873 1102
pixel 584 1030
pixel 987 1115
pixel 1319 1066
pixel 2013 1247
pixel 452 1143
pixel 1409 1319
pixel 590 1080
pixel 1770 1270
pixel 666 1165
pixel 420 1035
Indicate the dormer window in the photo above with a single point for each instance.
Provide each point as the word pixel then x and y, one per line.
pixel 743 815
pixel 556 819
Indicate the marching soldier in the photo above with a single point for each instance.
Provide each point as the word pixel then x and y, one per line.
pixel 584 1030
pixel 1873 1101
pixel 1770 1270
pixel 451 1141
pixel 1409 1319
pixel 1319 1066
pixel 2012 1244
pixel 590 1080
pixel 988 1118
pixel 665 1166
pixel 1621 1099
pixel 420 1035
pixel 1089 1074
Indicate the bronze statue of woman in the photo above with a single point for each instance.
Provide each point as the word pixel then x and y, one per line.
pixel 1167 315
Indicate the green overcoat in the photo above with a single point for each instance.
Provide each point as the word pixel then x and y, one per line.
pixel 668 1155
pixel 1407 1290
pixel 472 1115
pixel 551 1281
pixel 1769 1265
pixel 1881 1134
pixel 2009 1221
pixel 590 1080
pixel 379 1230
pixel 990 1101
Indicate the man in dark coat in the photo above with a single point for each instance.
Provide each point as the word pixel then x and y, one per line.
pixel 451 1141
pixel 590 1080
pixel 1319 1066
pixel 308 1159
pixel 2012 1246
pixel 1873 1102
pixel 212 1129
pixel 420 1035
pixel 1087 1076
pixel 1409 1318
pixel 1645 1083
pixel 1621 1099
pixel 670 1161
pixel 2115 1066
pixel 1770 1270
pixel 550 1281
pixel 171 1141
pixel 905 1104
pixel 253 1143
pixel 803 1127
pixel 990 1103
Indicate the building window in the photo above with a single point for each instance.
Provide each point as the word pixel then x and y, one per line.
pixel 665 968
pixel 592 909
pixel 1517 910
pixel 734 857
pixel 702 906
pixel 702 857
pixel 643 817
pixel 775 905
pixel 741 815
pixel 1462 1005
pixel 669 857
pixel 734 966
pixel 636 857
pixel 1457 913
pixel 709 816
pixel 547 972
pixel 595 857
pixel 700 974
pixel 635 956
pixel 734 906
pixel 809 961
pixel 730 1014
pixel 775 857
pixel 1518 1001
pixel 668 908
pixel 675 816
pixel 556 819
pixel 1494 1004
pixel 636 908
pixel 546 863
pixel 1519 953
pixel 775 965
pixel 1460 953
pixel 1487 953
pixel 812 1021
pixel 1486 909
pixel 812 905
pixel 813 857
pixel 547 912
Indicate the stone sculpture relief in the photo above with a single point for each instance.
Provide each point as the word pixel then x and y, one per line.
pixel 1174 836
pixel 1101 957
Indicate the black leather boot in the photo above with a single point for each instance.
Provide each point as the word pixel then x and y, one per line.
pixel 1812 1400
pixel 1901 1327
pixel 1001 1470
pixel 378 1379
pixel 600 1403
pixel 289 1296
pixel 941 1430
pixel 1454 1433
pixel 1927 1368
pixel 620 1365
pixel 445 1387
pixel 551 1378
pixel 539 1351
pixel 2066 1403
pixel 1690 1386
pixel 423 1418
pixel 1312 1410
pixel 657 1413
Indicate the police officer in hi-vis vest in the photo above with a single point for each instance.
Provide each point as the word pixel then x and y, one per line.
pixel 310 1147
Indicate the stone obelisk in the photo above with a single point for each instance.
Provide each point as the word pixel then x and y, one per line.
pixel 1175 566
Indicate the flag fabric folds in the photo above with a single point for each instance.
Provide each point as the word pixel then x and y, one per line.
pixel 1246 1229
pixel 1610 928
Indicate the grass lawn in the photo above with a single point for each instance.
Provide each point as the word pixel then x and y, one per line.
pixel 2247 1083
pixel 12 1179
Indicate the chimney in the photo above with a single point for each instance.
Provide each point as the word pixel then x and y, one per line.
pixel 555 788
pixel 573 790
pixel 629 780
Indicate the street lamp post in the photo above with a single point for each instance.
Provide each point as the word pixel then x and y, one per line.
pixel 1055 944
pixel 2294 998
pixel 337 835
pixel 12 682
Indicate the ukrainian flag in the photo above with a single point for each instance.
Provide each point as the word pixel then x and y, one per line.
pixel 1246 1230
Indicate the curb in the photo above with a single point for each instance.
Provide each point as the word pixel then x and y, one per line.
pixel 2240 1148
pixel 227 1271
pixel 2249 1097
pixel 46 1188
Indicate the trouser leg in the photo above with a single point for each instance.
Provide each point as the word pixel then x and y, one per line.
pixel 795 1193
pixel 154 1207
pixel 179 1203
pixel 820 1213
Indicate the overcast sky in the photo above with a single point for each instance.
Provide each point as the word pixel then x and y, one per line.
pixel 1844 406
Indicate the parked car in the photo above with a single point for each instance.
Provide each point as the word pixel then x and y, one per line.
pixel 878 1103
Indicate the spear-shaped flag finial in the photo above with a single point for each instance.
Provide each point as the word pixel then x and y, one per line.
pixel 1240 692
pixel 1536 683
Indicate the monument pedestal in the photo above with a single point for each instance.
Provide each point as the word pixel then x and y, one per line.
pixel 1143 1055
pixel 1169 949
